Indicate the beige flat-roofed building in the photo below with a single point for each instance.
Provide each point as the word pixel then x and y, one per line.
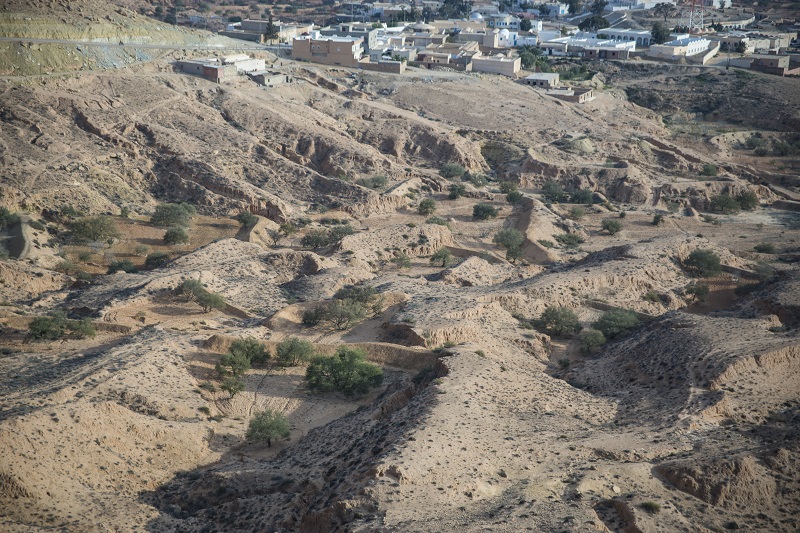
pixel 498 64
pixel 333 50
pixel 542 79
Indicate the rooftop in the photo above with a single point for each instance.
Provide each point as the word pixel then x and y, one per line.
pixel 542 76
pixel 684 42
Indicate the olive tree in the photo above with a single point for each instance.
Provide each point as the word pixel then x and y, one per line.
pixel 266 426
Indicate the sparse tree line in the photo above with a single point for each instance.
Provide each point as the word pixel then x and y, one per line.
pixel 347 372
pixel 195 291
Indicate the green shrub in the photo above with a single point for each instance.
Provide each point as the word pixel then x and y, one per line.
pixel 658 219
pixel 197 292
pixel 507 187
pixel 709 170
pixel 402 260
pixel 343 314
pixel 457 190
pixel 176 235
pixel 546 243
pixel 650 507
pixel 725 203
pixel 173 215
pixel 765 248
pixel 377 183
pixel 591 340
pixel 514 197
pixel 747 200
pixel 569 239
pixel 582 196
pixel 616 322
pixel 266 426
pixel 7 218
pixel 439 221
pixel 125 266
pixel 141 249
pixel 233 364
pixel 611 225
pixel 426 207
pixel 484 211
pixel 477 180
pixel 560 321
pixel 293 351
pixel 346 372
pixel 702 263
pixel 577 213
pixel 232 386
pixel 512 240
pixel 38 226
pixel 452 171
pixel 316 239
pixel 442 258
pixel 246 219
pixel 94 229
pixel 314 316
pixel 56 325
pixel 553 192
pixel 697 291
pixel 250 348
pixel 651 296
pixel 156 260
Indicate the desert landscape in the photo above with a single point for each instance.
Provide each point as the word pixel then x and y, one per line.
pixel 554 316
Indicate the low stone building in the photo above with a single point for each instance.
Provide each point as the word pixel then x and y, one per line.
pixel 605 52
pixel 210 68
pixel 578 95
pixel 542 79
pixel 269 78
pixel 497 64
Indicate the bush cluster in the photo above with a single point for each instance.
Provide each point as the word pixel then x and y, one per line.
pixel 554 192
pixel 326 237
pixel 512 240
pixel 167 215
pixel 452 171
pixel 266 426
pixel 559 321
pixel 194 290
pixel 246 219
pixel 57 325
pixel 484 211
pixel 730 205
pixel 377 183
pixel 350 305
pixel 7 218
pixel 347 372
pixel 616 322
pixel 94 229
pixel 702 263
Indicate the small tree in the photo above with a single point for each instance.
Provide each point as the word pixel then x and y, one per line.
pixel 251 349
pixel 267 426
pixel 452 171
pixel 697 291
pixel 246 219
pixel 233 364
pixel 593 23
pixel 660 32
pixel 508 187
pixel 525 25
pixel 293 351
pixel 156 260
pixel 558 320
pixel 176 235
pixel 582 196
pixel 346 372
pixel 570 240
pixel 484 211
pixel 514 197
pixel 426 207
pixel 457 190
pixel 552 191
pixel 210 300
pixel 765 248
pixel 747 200
pixel 511 239
pixel 442 258
pixel 591 340
pixel 125 266
pixel 702 263
pixel 94 229
pixel 402 260
pixel 725 203
pixel 577 213
pixel 616 322
pixel 709 170
pixel 612 226
pixel 232 386
pixel 7 218
pixel 173 215
pixel 343 314
pixel 48 327
pixel 658 219
pixel 314 316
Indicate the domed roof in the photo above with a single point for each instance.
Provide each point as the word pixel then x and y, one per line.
pixel 423 27
pixel 504 32
pixel 475 16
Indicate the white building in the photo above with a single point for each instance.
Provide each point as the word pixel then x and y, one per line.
pixel 542 79
pixel 503 21
pixel 574 46
pixel 680 48
pixel 640 37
